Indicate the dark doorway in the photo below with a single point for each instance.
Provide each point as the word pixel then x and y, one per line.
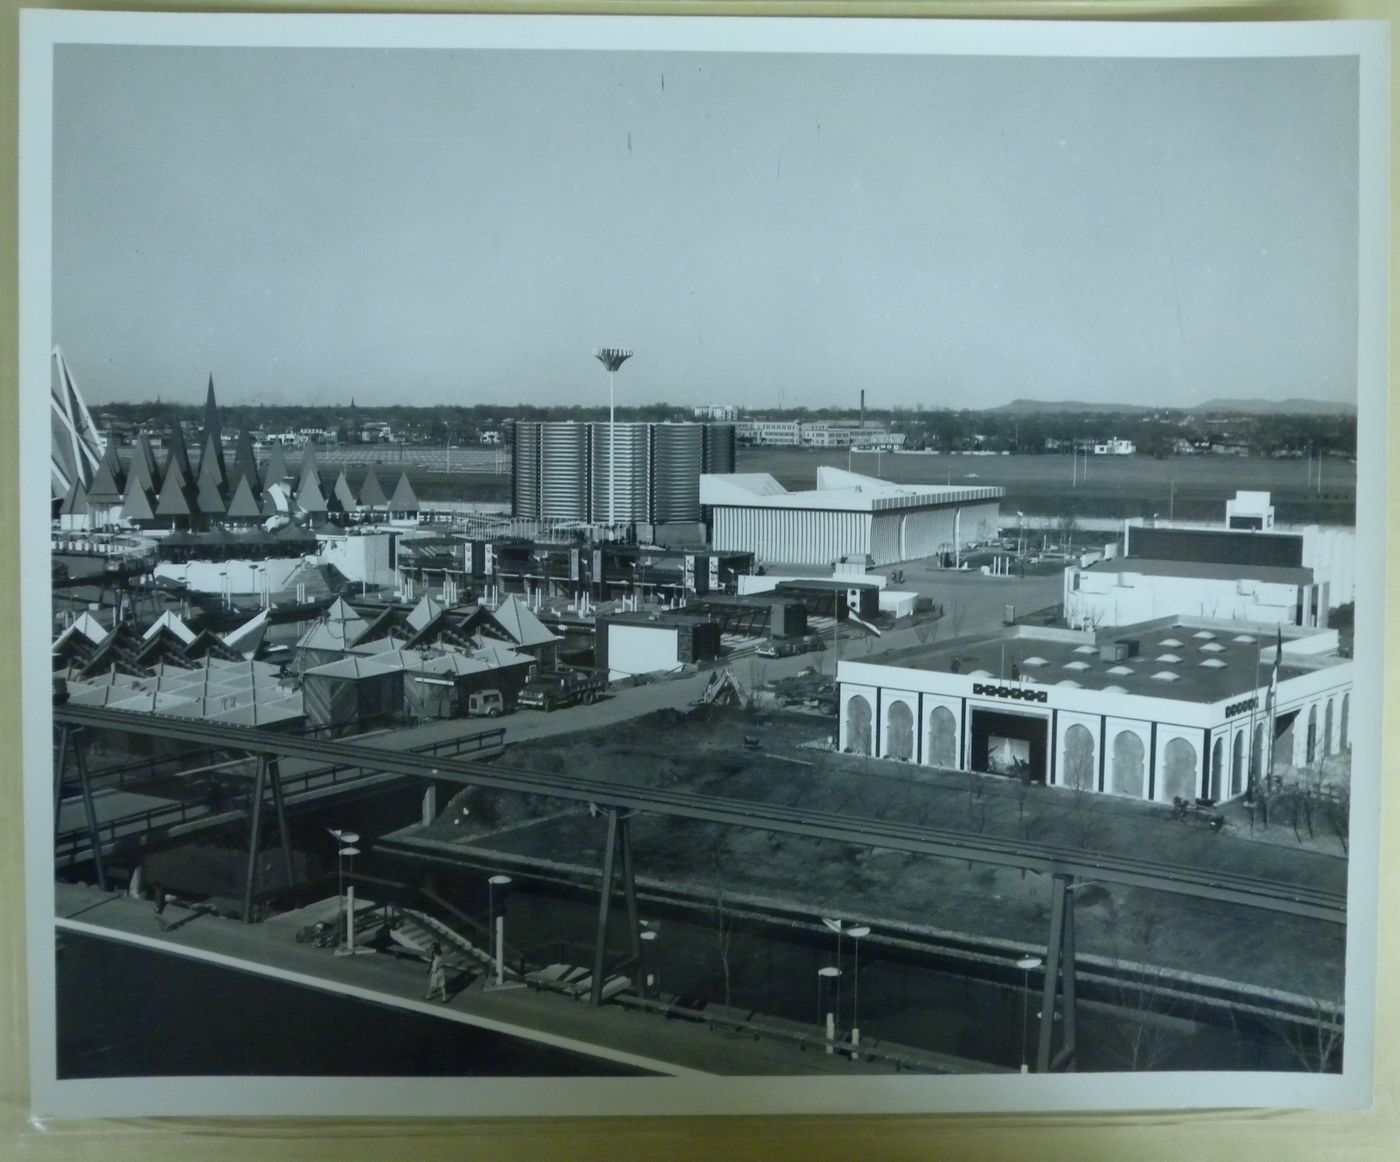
pixel 1009 744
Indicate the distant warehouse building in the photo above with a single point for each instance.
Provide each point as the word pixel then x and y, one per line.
pixel 1245 570
pixel 846 516
pixel 1176 708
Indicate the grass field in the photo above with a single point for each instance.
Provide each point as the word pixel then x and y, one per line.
pixel 1186 487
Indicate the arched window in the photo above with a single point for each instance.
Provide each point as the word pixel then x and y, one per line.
pixel 1179 775
pixel 858 725
pixel 899 732
pixel 1311 751
pixel 1237 765
pixel 943 738
pixel 1327 729
pixel 1217 767
pixel 1345 741
pixel 1079 758
pixel 1127 764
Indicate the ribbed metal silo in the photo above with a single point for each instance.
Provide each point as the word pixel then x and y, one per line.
pixel 525 470
pixel 719 447
pixel 564 471
pixel 631 496
pixel 677 463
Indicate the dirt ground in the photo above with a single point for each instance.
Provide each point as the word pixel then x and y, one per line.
pixel 704 752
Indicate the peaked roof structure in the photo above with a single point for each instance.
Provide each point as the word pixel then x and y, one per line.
pixel 310 498
pixel 213 430
pixel 76 502
pixel 524 628
pixel 143 464
pixel 404 498
pixel 137 504
pixel 174 623
pixel 245 463
pixel 175 499
pixel 209 494
pixel 177 452
pixel 243 505
pixel 308 465
pixel 248 637
pixel 106 484
pixel 341 494
pixel 424 612
pixel 275 470
pixel 372 492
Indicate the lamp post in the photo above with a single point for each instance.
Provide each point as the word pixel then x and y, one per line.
pixel 1020 530
pixel 838 927
pixel 1025 964
pixel 612 358
pixel 348 948
pixel 855 934
pixel 830 972
pixel 652 971
pixel 497 925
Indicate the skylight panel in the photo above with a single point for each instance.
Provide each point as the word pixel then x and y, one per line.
pixel 1165 676
pixel 1212 647
pixel 1203 634
pixel 1076 665
pixel 1086 649
pixel 1120 670
pixel 1170 659
pixel 1213 664
pixel 1170 642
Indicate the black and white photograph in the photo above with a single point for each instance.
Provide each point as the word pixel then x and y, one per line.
pixel 599 565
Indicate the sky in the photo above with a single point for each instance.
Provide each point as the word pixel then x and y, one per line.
pixel 467 226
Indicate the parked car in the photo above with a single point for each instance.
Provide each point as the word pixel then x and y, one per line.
pixel 486 704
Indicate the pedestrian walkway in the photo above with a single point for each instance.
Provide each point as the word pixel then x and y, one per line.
pixel 642 1040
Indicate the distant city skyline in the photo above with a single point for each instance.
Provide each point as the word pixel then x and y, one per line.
pixel 468 226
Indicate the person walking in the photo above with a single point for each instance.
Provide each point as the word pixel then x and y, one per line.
pixel 162 899
pixel 437 974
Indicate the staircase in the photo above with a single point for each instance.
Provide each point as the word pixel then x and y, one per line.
pixel 416 931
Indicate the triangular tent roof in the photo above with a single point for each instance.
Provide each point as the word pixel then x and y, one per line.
pixel 275 470
pixel 212 426
pixel 106 485
pixel 86 626
pixel 174 499
pixel 310 498
pixel 340 491
pixel 143 464
pixel 136 504
pixel 524 628
pixel 404 498
pixel 244 504
pixel 76 502
pixel 308 465
pixel 245 462
pixel 210 497
pixel 372 492
pixel 178 453
pixel 424 612
pixel 174 623
pixel 249 636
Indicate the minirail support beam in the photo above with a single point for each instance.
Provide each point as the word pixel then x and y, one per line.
pixel 617 849
pixel 1059 979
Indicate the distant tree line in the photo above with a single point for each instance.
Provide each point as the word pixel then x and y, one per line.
pixel 1155 433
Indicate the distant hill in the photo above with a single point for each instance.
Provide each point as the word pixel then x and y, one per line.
pixel 1044 406
pixel 1276 407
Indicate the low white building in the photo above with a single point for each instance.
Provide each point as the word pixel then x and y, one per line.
pixel 1177 708
pixel 846 515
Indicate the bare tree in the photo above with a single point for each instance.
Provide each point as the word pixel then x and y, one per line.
pixel 724 924
pixel 1337 809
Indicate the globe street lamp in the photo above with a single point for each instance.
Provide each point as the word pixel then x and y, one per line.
pixel 1026 964
pixel 344 840
pixel 612 358
pixel 348 948
pixel 838 927
pixel 855 934
pixel 497 925
pixel 830 972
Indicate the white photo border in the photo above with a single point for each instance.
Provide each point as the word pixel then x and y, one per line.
pixel 43 31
